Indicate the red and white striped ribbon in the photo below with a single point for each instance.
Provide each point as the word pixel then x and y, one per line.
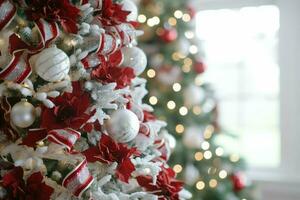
pixel 78 180
pixel 7 13
pixel 108 44
pixel 48 31
pixel 66 137
pixel 125 32
pixel 18 68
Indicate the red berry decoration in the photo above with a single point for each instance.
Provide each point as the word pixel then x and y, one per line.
pixel 199 67
pixel 238 181
pixel 168 35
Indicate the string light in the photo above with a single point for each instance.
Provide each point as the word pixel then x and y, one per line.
pixel 171 105
pixel 176 87
pixel 151 73
pixel 189 34
pixel 179 128
pixel 186 68
pixel 153 100
pixel 198 156
pixel 156 20
pixel 223 174
pixel 207 155
pixel 193 49
pixel 205 145
pixel 188 61
pixel 177 168
pixel 200 185
pixel 197 110
pixel 153 21
pixel 178 14
pixel 176 56
pixel 234 158
pixel 213 183
pixel 142 18
pixel 172 21
pixel 186 17
pixel 219 151
pixel 183 111
pixel 198 80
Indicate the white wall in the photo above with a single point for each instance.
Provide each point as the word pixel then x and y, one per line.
pixel 283 183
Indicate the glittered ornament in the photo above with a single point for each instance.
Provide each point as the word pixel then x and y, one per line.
pixel 168 35
pixel 52 64
pixel 194 91
pixel 22 114
pixel 134 58
pixel 192 137
pixel 129 5
pixel 123 125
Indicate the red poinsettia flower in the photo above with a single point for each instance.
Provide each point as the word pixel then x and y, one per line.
pixel 61 11
pixel 69 110
pixel 109 151
pixel 166 187
pixel 107 73
pixel 33 189
pixel 112 13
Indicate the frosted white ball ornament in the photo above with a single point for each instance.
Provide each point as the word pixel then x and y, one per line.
pixel 22 114
pixel 129 5
pixel 134 58
pixel 123 125
pixel 52 64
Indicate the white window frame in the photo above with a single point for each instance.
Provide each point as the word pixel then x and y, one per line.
pixel 282 183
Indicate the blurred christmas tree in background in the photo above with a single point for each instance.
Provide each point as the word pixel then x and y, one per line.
pixel 182 98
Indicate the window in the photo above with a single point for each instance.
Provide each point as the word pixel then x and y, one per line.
pixel 240 47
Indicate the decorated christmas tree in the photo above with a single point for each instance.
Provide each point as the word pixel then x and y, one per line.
pixel 180 96
pixel 72 121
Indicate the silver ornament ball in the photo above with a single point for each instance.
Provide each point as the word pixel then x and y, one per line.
pixel 52 64
pixel 22 114
pixel 135 58
pixel 123 125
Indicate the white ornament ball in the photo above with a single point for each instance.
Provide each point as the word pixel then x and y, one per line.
pixel 135 58
pixel 123 125
pixel 129 5
pixel 52 64
pixel 22 114
pixel 193 137
pixel 193 95
pixel 191 174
